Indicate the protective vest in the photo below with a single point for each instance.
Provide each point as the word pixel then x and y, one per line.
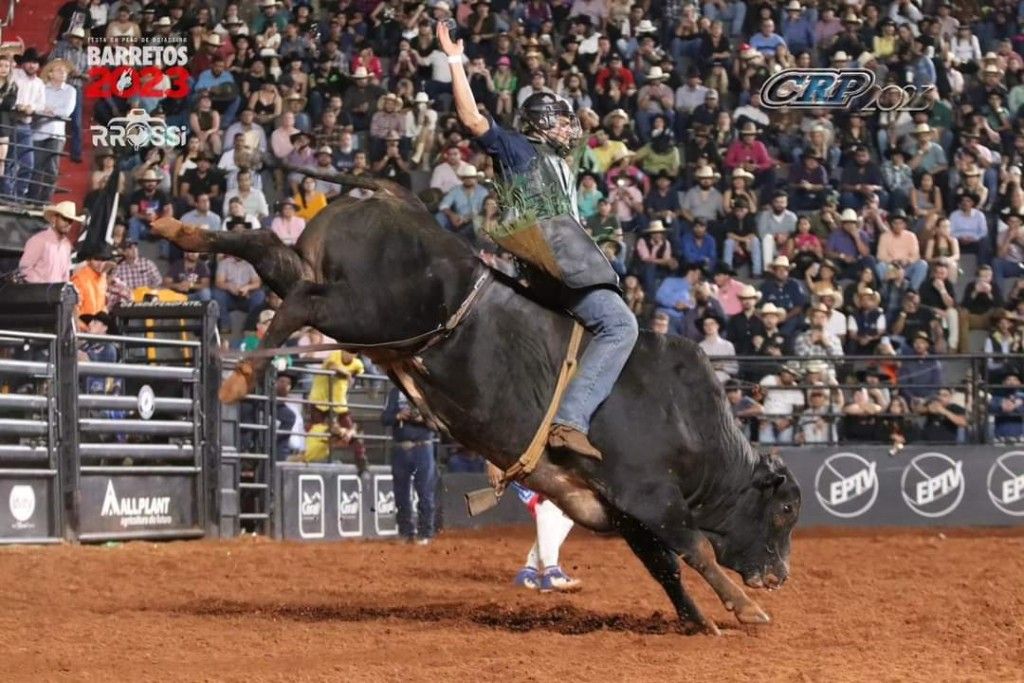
pixel 556 242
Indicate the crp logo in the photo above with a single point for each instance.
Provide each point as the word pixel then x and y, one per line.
pixel 933 484
pixel 840 89
pixel 846 485
pixel 22 503
pixel 1006 483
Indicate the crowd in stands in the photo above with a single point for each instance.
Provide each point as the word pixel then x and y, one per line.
pixel 816 233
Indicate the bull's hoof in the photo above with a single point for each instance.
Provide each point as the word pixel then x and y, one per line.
pixel 237 385
pixel 187 237
pixel 751 613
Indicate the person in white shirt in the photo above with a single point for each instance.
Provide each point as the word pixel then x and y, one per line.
pixel 716 348
pixel 49 136
pixel 31 99
pixel 446 174
pixel 253 200
pixel 782 401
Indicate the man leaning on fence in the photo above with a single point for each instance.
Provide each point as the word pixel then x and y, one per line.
pixel 412 465
pixel 47 254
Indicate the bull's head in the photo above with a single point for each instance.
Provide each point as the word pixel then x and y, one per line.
pixel 754 540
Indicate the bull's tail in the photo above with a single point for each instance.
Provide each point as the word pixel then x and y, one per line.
pixel 376 185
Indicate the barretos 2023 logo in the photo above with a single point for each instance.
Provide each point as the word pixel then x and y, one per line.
pixel 147 70
pixel 846 89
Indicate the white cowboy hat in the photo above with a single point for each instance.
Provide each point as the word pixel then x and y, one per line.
pixel 749 292
pixel 771 309
pixel 840 56
pixel 422 98
pixel 794 5
pixel 866 58
pixel 922 128
pixel 705 172
pixel 646 26
pixel 654 226
pixel 656 74
pixel 76 32
pixel 268 3
pixel 828 292
pixel 849 216
pixel 467 171
pixel 66 210
pixel 816 366
pixel 212 39
pixel 443 5
pixel 360 73
pixel 326 149
pixel 781 262
pixel 742 173
pixel 162 21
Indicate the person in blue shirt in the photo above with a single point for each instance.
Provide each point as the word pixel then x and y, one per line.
pixel 533 163
pixel 675 294
pixel 223 89
pixel 412 465
pixel 699 247
pixel 767 41
pixel 785 292
pixel 462 203
pixel 798 27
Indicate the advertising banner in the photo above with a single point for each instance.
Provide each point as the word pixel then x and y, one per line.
pixel 319 502
pixel 124 504
pixel 940 486
pixel 25 506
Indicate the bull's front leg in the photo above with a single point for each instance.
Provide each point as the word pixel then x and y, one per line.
pixel 293 314
pixel 700 555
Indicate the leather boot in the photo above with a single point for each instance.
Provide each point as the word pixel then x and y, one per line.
pixel 574 440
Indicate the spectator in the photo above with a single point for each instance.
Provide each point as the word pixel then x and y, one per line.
pixel 785 292
pixel 866 325
pixel 203 179
pixel 253 201
pixel 703 201
pixel 413 467
pixel 653 99
pixel 775 225
pixel 835 321
pixel 90 280
pixel 817 423
pixel 817 340
pixel 675 294
pixel 848 245
pixel 942 246
pixel 920 374
pixel 716 347
pixel 782 404
pixel 201 214
pixel 59 102
pixel 605 221
pixel 862 415
pixel 1003 345
pixel 744 409
pixel 463 202
pixel 1010 263
pixel 945 421
pixel 982 298
pixel 861 178
pixel 445 176
pixel 703 305
pixel 31 98
pixel 937 293
pixel 745 327
pixel 612 248
pixel 134 270
pixel 246 129
pixel 729 290
pixel 309 201
pixel 899 245
pixel 393 165
pixel 750 154
pixel 223 91
pixel 808 182
pixel 237 286
pixel 287 225
pixel 47 254
pixel 698 247
pixel 189 276
pixel 301 157
pixel 741 238
pixel 205 124
pixel 147 204
pixel 969 227
pixel 1007 409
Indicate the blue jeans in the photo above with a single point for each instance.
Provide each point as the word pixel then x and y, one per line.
pixel 608 318
pixel 20 162
pixel 729 250
pixel 415 466
pixel 227 302
pixel 916 272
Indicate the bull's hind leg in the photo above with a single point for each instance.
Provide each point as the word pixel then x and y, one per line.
pixel 662 508
pixel 663 565
pixel 279 266
pixel 296 311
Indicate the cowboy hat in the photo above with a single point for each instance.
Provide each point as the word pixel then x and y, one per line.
pixel 771 309
pixel 792 367
pixel 742 173
pixel 65 209
pixel 609 238
pixel 325 149
pixel 443 6
pixel 162 21
pixel 151 175
pixel 421 98
pixel 749 292
pixel 29 55
pixel 748 128
pixel 871 293
pixel 268 3
pixel 840 56
pixel 828 292
pixel 922 128
pixel 972 171
pixel 646 26
pixel 849 216
pixel 781 262
pixel 705 172
pixel 656 74
pixel 103 317
pixel 360 73
pixel 615 114
pixel 898 215
pixel 76 32
pixel 815 366
pixel 794 5
pixel 655 226
pixel 750 53
pixel 467 171
pixel 212 39
pixel 852 18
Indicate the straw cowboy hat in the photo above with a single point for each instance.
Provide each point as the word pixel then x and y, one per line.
pixel 794 5
pixel 840 56
pixel 749 292
pixel 615 114
pixel 828 292
pixel 868 292
pixel 849 216
pixel 467 171
pixel 65 210
pixel 748 128
pixel 76 32
pixel 815 366
pixel 656 74
pixel 705 172
pixel 212 39
pixel 360 73
pixel 771 309
pixel 922 129
pixel 742 173
pixel 655 226
pixel 646 26
pixel 781 262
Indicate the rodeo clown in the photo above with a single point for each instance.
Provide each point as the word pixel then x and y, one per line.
pixel 538 196
pixel 541 571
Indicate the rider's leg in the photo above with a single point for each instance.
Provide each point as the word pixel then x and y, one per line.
pixel 608 318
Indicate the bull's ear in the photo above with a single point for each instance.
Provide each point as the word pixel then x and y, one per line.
pixel 769 481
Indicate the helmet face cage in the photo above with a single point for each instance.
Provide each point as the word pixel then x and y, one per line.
pixel 541 117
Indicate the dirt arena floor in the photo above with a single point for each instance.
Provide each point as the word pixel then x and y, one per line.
pixel 897 606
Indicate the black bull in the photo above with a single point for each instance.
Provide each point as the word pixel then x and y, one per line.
pixel 678 478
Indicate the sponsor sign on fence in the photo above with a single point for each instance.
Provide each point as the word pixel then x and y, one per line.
pixel 947 486
pixel 25 508
pixel 127 503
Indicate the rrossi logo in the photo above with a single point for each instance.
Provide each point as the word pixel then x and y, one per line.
pixel 1006 483
pixel 933 484
pixel 22 503
pixel 846 485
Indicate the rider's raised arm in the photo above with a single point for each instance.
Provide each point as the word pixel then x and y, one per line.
pixel 465 103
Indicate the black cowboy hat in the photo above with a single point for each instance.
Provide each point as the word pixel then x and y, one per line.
pixel 29 55
pixel 105 318
pixel 710 315
pixel 725 269
pixel 238 220
pixel 898 214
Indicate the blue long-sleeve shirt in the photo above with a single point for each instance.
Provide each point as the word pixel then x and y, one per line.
pixel 403 430
pixel 672 291
pixel 799 34
pixel 705 253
